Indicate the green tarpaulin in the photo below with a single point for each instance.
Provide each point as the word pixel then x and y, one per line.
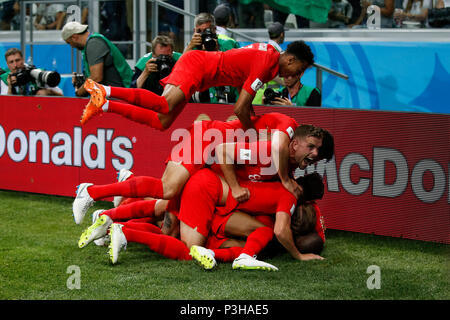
pixel 315 10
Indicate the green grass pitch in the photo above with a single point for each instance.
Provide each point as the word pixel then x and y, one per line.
pixel 38 248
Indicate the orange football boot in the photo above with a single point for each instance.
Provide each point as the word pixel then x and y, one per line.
pixel 97 92
pixel 90 111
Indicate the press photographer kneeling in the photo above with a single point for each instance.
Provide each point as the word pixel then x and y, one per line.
pixel 155 65
pixel 24 79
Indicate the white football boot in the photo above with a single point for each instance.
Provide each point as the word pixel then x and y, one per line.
pixel 246 262
pixel 82 202
pixel 118 241
pixel 97 230
pixel 205 257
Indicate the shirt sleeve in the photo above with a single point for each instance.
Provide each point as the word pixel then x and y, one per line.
pixel 96 50
pixel 287 202
pixel 264 69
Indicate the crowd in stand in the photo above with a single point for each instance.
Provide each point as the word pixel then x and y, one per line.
pixel 342 14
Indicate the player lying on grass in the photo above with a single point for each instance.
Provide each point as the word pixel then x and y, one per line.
pixel 198 201
pixel 308 145
pixel 247 68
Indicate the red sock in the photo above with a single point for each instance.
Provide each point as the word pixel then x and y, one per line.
pixel 141 186
pixel 142 226
pixel 227 254
pixel 140 115
pixel 167 246
pixel 130 200
pixel 257 240
pixel 142 98
pixel 138 209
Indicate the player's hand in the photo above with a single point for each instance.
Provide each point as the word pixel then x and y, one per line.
pixel 240 194
pixel 293 187
pixel 310 256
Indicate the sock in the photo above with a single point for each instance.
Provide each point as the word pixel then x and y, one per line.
pixel 142 98
pixel 140 115
pixel 138 209
pixel 227 254
pixel 142 226
pixel 130 200
pixel 257 240
pixel 141 186
pixel 167 246
pixel 107 90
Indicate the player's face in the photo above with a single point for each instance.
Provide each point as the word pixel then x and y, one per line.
pixel 305 151
pixel 290 66
pixel 15 62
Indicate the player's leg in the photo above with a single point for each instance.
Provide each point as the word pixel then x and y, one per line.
pixel 169 186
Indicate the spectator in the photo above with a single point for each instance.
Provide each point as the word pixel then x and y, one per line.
pixel 340 14
pixel 27 86
pixel 279 16
pixel 356 6
pixel 146 74
pixel 386 11
pixel 53 14
pixel 441 4
pixel 414 10
pixel 205 23
pixel 222 16
pixel 250 15
pixel 8 9
pixel 103 61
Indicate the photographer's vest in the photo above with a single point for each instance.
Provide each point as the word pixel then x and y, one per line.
pixel 28 89
pixel 119 61
pixel 301 97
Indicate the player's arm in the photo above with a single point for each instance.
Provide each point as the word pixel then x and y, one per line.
pixel 243 109
pixel 226 156
pixel 280 157
pixel 283 232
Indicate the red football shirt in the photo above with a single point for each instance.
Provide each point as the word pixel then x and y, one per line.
pixel 248 68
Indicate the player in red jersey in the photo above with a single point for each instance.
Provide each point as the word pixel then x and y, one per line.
pixel 202 193
pixel 247 68
pixel 181 168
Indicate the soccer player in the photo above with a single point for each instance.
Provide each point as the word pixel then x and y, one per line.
pixel 247 68
pixel 180 168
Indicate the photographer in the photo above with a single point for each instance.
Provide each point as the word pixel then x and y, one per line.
pixel 23 79
pixel 103 61
pixel 155 65
pixel 295 93
pixel 205 38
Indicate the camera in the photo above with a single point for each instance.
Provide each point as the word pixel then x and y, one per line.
pixel 270 95
pixel 79 80
pixel 165 64
pixel 23 76
pixel 208 40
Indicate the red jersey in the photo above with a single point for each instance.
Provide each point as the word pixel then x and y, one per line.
pixel 248 68
pixel 265 198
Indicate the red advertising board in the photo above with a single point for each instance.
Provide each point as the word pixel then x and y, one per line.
pixel 390 173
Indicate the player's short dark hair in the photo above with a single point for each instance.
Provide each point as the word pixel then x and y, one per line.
pixel 308 130
pixel 301 51
pixel 309 243
pixel 326 150
pixel 313 187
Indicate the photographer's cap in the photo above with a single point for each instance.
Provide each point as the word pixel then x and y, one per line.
pixel 275 29
pixel 72 28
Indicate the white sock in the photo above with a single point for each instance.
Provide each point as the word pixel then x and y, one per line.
pixel 108 91
pixel 105 106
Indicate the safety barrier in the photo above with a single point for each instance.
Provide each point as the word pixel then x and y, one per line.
pixel 390 173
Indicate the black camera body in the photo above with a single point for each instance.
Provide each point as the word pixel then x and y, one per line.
pixel 165 64
pixel 79 80
pixel 270 95
pixel 30 73
pixel 208 40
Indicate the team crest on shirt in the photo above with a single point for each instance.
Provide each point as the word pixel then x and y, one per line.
pixel 257 84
